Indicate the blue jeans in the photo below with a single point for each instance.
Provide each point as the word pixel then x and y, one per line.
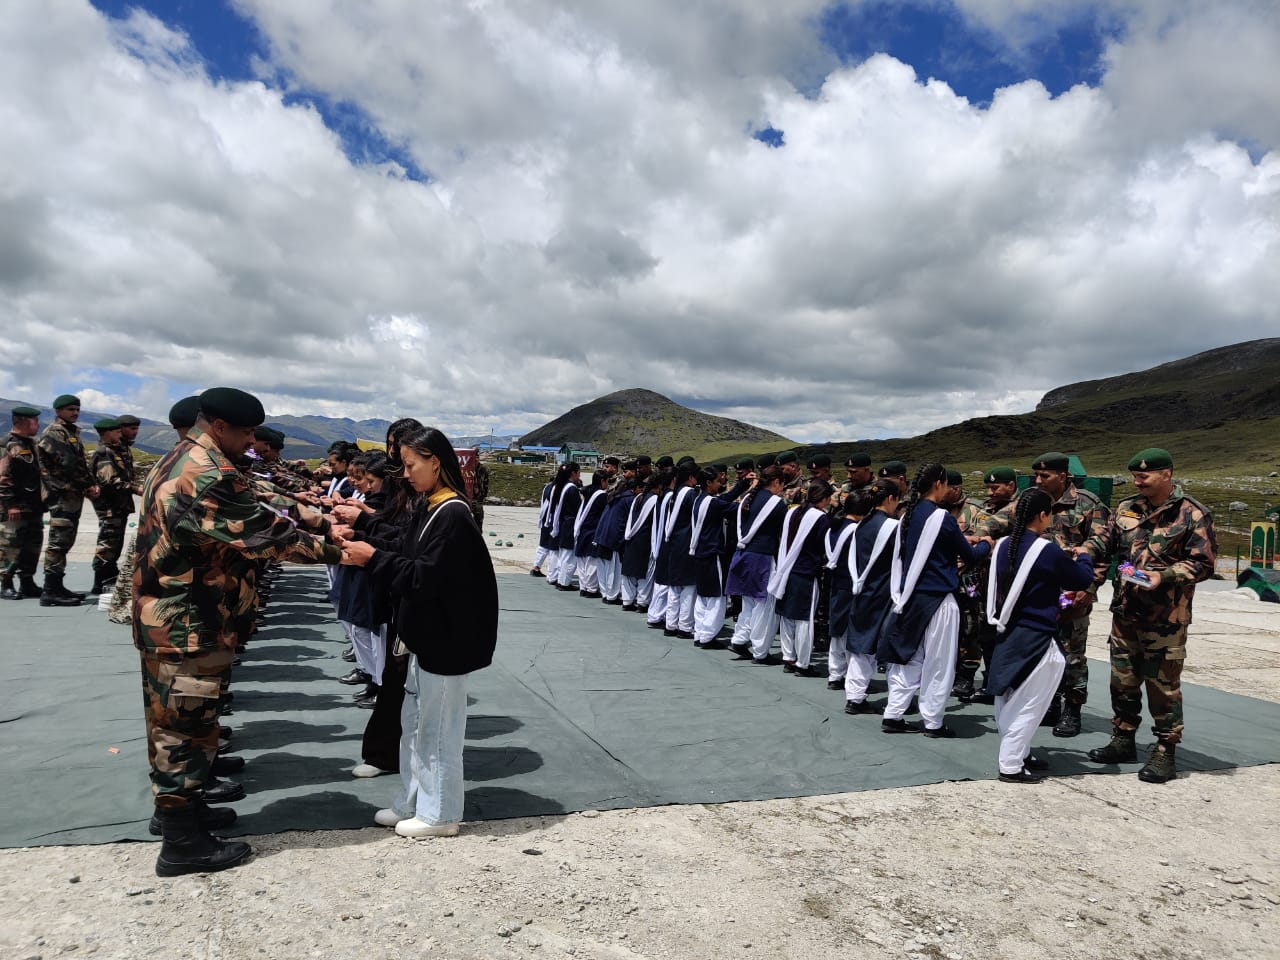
pixel 433 724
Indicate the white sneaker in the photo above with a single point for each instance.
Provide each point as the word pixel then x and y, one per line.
pixel 388 817
pixel 418 829
pixel 367 770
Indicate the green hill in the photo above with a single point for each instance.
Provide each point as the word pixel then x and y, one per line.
pixel 641 421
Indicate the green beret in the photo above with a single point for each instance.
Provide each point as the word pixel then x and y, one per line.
pixel 720 467
pixel 1000 475
pixel 24 412
pixel 183 413
pixel 665 463
pixel 263 433
pixel 66 400
pixel 129 420
pixel 106 423
pixel 1152 458
pixel 1052 461
pixel 820 460
pixel 746 463
pixel 858 460
pixel 786 456
pixel 238 408
pixel 686 461
pixel 276 440
pixel 644 460
pixel 893 468
pixel 767 460
pixel 954 479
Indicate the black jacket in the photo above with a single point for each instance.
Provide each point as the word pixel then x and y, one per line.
pixel 446 591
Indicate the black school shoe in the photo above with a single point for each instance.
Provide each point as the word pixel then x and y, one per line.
pixel 898 725
pixel 629 608
pixel 1032 762
pixel 854 707
pixel 939 733
pixel 769 660
pixel 1022 776
pixel 809 671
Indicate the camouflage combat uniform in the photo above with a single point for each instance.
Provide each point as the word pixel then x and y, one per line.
pixel 65 471
pixel 972 518
pixel 794 492
pixel 20 539
pixel 1149 627
pixel 845 491
pixel 1077 517
pixel 200 536
pixel 114 477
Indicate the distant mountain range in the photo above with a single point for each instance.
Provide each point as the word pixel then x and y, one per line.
pixel 641 421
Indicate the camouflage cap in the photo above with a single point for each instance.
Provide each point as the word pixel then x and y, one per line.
pixel 183 413
pixel 858 460
pixel 786 456
pixel 1000 475
pixel 106 423
pixel 129 420
pixel 820 460
pixel 1052 461
pixel 24 412
pixel 66 400
pixel 893 468
pixel 1152 458
pixel 746 463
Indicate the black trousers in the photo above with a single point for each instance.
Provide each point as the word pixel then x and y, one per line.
pixel 381 744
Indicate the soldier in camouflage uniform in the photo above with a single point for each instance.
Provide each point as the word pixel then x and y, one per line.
pixel 129 425
pixel 200 536
pixel 64 468
pixel 267 444
pixel 21 507
pixel 858 476
pixel 1168 536
pixel 795 484
pixel 114 503
pixel 971 597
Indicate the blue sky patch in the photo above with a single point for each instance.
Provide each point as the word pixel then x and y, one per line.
pixel 770 136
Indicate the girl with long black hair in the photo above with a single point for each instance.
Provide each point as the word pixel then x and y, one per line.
pixel 565 501
pixel 758 528
pixel 922 630
pixel 870 563
pixel 447 617
pixel 638 558
pixel 794 582
pixel 1026 581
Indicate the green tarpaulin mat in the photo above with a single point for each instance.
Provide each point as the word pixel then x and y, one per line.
pixel 584 708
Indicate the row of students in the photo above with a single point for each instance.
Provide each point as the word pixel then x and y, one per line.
pixel 893 562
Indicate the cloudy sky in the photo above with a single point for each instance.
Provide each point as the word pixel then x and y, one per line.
pixel 838 219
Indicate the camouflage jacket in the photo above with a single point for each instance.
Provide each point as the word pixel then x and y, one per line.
pixel 1176 539
pixel 20 476
pixel 843 492
pixel 970 517
pixel 200 535
pixel 283 476
pixel 126 456
pixel 793 493
pixel 999 518
pixel 64 466
pixel 112 474
pixel 1077 517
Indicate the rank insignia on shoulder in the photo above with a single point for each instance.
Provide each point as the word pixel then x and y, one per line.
pixel 227 468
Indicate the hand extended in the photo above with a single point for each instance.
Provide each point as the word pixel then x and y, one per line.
pixel 340 533
pixel 93 492
pixel 14 514
pixel 356 553
pixel 346 512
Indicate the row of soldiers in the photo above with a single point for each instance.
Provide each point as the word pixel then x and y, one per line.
pixel 1163 532
pixel 51 472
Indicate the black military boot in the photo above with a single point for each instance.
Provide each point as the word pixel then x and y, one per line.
pixel 97 587
pixel 187 848
pixel 1162 767
pixel 1054 713
pixel 54 594
pixel 30 589
pixel 1068 724
pixel 1121 749
pixel 211 818
pixel 60 588
pixel 963 689
pixel 7 592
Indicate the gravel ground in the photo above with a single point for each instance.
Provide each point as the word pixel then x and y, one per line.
pixel 1098 867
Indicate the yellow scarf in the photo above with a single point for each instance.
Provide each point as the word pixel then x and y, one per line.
pixel 439 497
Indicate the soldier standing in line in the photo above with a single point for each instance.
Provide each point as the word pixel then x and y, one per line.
pixel 64 468
pixel 795 485
pixel 971 597
pixel 1077 516
pixel 21 508
pixel 896 471
pixel 200 537
pixel 129 425
pixel 858 474
pixel 114 503
pixel 1168 538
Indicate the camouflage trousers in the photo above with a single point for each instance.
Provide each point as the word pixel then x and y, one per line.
pixel 1074 637
pixel 973 626
pixel 64 521
pixel 20 542
pixel 1150 658
pixel 110 539
pixel 180 694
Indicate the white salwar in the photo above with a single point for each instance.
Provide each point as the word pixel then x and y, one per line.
pixel 930 672
pixel 757 623
pixel 1018 714
pixel 369 646
pixel 857 676
pixel 609 575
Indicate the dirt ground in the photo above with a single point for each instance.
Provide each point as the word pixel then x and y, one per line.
pixel 1097 867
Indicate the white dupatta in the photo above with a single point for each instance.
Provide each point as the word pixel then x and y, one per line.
pixel 833 549
pixel 1001 621
pixel 882 540
pixel 789 551
pixel 700 510
pixel 634 523
pixel 670 523
pixel 899 587
pixel 745 538
pixel 583 510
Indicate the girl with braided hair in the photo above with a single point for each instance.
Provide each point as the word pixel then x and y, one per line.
pixel 870 561
pixel 1027 578
pixel 801 556
pixel 922 629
